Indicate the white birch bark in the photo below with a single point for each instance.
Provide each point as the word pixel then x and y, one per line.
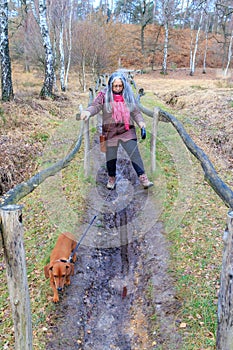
pixel 165 48
pixel 47 89
pixel 62 58
pixel 191 44
pixel 193 61
pixel 69 42
pixel 206 45
pixel 6 78
pixel 34 12
pixel 229 55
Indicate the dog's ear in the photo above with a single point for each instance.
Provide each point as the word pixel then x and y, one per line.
pixel 46 270
pixel 70 269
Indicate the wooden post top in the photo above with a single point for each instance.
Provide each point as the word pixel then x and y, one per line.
pixel 11 207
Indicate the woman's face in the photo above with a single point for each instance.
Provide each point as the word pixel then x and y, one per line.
pixel 117 86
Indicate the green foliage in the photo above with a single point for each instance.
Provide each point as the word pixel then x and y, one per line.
pixel 224 83
pixel 198 87
pixel 40 136
pixel 173 66
pixel 29 84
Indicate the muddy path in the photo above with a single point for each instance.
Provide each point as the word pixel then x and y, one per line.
pixel 121 295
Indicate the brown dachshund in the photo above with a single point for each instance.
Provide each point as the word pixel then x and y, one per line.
pixel 60 269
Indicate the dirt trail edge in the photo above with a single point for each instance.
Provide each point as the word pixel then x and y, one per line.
pixel 121 296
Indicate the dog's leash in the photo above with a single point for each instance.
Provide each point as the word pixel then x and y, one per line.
pixel 85 232
pixel 81 239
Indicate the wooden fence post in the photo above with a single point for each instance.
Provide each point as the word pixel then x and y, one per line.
pixel 153 138
pixel 225 298
pixel 86 133
pixel 12 240
pixel 86 148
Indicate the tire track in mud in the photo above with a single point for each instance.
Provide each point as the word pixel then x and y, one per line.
pixel 121 296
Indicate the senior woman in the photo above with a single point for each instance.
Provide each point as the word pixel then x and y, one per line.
pixel 120 111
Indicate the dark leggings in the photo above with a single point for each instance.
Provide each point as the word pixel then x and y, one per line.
pixel 132 150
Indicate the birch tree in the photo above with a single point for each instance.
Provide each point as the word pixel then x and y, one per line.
pixel 6 78
pixel 194 52
pixel 224 11
pixel 206 44
pixel 165 48
pixel 166 18
pixel 60 21
pixel 69 41
pixel 65 38
pixel 229 54
pixel 47 89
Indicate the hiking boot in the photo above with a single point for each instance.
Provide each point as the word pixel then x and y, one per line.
pixel 145 182
pixel 111 182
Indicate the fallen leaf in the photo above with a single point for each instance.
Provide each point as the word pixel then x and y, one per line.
pixel 183 325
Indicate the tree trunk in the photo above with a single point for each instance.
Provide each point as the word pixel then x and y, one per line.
pixel 185 12
pixel 47 89
pixel 206 45
pixel 69 42
pixel 229 55
pixel 225 299
pixel 26 58
pixel 164 67
pixel 143 39
pixel 193 62
pixel 191 47
pixel 62 59
pixel 6 79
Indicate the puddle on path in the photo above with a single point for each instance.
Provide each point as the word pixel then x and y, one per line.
pixel 121 296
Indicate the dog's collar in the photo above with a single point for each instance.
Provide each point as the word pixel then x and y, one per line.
pixel 62 260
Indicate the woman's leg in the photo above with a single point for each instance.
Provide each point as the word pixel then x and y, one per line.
pixel 111 159
pixel 131 147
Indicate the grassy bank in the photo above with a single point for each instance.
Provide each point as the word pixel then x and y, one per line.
pixel 196 251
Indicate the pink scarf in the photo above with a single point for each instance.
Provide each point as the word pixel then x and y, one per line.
pixel 120 112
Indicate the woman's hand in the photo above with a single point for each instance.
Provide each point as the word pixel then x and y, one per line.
pixel 142 125
pixel 85 115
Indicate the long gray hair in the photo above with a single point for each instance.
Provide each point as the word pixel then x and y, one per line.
pixel 127 92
